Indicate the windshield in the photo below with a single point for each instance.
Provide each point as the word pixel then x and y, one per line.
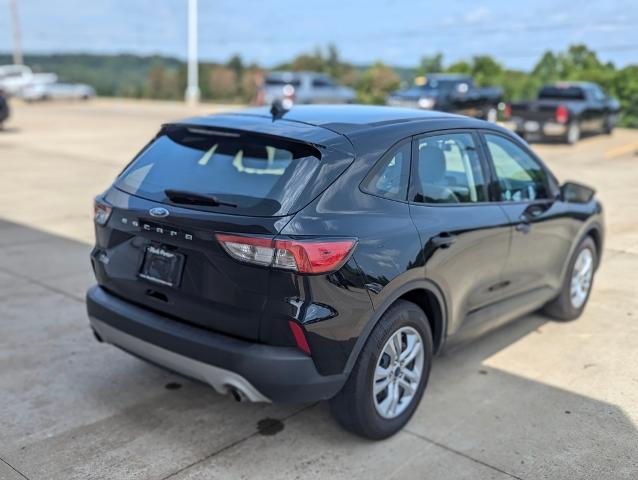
pixel 255 175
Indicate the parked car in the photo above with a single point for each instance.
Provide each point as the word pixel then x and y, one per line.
pixel 450 93
pixel 14 78
pixel 330 254
pixel 57 91
pixel 302 88
pixel 4 108
pixel 565 110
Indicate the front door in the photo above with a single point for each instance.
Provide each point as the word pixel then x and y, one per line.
pixel 542 232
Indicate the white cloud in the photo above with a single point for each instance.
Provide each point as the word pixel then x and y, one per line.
pixel 478 15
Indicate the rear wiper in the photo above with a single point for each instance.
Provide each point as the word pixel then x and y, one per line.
pixel 195 198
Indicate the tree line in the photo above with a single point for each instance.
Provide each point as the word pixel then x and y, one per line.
pixel 160 77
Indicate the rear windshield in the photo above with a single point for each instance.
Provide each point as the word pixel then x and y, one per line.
pixel 257 175
pixel 561 93
pixel 280 82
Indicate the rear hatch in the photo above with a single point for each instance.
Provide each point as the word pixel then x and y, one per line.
pixel 537 111
pixel 550 98
pixel 158 246
pixel 280 86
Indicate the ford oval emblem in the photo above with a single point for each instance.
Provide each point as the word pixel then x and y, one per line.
pixel 158 212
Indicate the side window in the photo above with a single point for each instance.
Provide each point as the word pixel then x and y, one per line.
pixel 448 170
pixel 389 177
pixel 520 177
pixel 322 82
pixel 598 94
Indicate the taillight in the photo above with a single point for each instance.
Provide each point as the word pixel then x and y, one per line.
pixel 101 212
pixel 303 256
pixel 562 114
pixel 289 96
pixel 507 111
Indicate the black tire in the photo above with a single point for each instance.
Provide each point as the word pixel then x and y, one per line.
pixel 608 126
pixel 573 133
pixel 561 308
pixel 354 407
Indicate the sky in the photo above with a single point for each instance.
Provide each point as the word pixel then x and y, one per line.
pixel 270 32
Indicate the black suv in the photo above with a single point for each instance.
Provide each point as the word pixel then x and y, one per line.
pixel 329 254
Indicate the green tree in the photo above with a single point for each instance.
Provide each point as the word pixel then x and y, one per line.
pixel 376 83
pixel 625 86
pixel 485 70
pixel 547 69
pixel 430 64
pixel 162 83
pixel 223 83
pixel 460 67
pixel 236 65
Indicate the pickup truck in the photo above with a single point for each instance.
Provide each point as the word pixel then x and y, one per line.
pixel 565 111
pixel 449 93
pixel 302 88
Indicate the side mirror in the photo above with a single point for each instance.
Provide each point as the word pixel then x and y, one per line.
pixel 576 192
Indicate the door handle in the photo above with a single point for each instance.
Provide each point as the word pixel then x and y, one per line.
pixel 444 240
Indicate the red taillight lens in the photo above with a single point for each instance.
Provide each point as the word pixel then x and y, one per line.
pixel 101 212
pixel 300 337
pixel 303 256
pixel 507 111
pixel 562 114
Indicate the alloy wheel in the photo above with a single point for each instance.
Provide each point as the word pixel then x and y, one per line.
pixel 398 372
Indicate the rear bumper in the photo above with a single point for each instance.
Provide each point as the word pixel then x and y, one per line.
pixel 260 372
pixel 545 128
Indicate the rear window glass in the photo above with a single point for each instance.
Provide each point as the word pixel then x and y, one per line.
pixel 562 93
pixel 258 175
pixel 280 82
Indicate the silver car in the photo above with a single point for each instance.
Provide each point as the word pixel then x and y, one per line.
pixel 57 91
pixel 303 88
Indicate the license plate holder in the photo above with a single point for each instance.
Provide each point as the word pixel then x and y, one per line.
pixel 162 266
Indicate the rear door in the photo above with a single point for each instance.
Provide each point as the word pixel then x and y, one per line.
pixel 159 248
pixel 465 238
pixel 542 230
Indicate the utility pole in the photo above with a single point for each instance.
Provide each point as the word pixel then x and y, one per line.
pixel 192 90
pixel 17 46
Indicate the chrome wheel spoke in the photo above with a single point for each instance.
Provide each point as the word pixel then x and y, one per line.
pixel 394 399
pixel 408 388
pixel 581 278
pixel 396 346
pixel 381 385
pixel 412 350
pixel 412 375
pixel 381 373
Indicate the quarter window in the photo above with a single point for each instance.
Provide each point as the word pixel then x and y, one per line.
pixel 520 176
pixel 389 177
pixel 448 170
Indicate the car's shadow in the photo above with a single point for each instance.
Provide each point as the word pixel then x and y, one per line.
pixel 75 408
